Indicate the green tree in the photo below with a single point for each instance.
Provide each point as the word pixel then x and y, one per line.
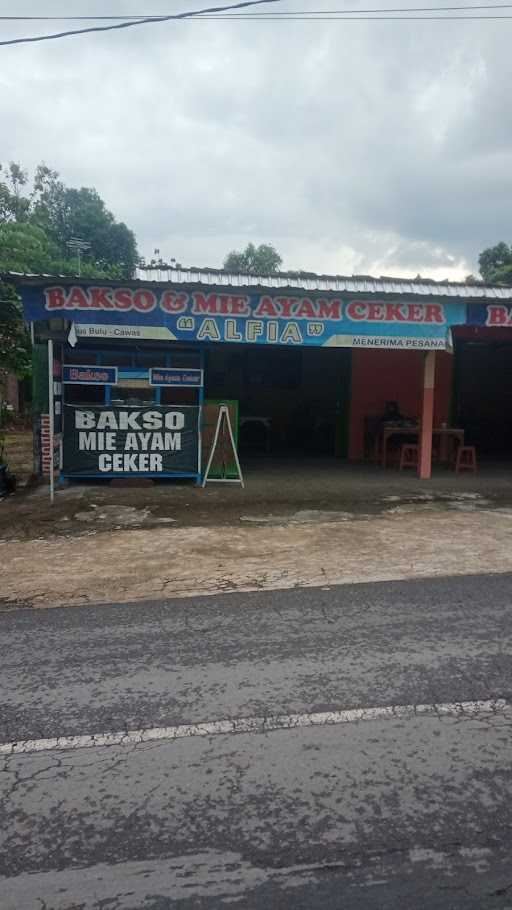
pixel 15 349
pixel 254 260
pixel 64 212
pixel 14 206
pixel 35 222
pixel 496 264
pixel 25 248
pixel 60 213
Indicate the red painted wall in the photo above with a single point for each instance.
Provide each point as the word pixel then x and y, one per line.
pixel 380 376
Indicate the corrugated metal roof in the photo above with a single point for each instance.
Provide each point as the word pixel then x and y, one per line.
pixel 296 281
pixel 309 281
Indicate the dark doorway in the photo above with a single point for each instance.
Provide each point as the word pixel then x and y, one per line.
pixel 291 401
pixel 484 395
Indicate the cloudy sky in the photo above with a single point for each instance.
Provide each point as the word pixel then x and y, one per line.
pixel 363 147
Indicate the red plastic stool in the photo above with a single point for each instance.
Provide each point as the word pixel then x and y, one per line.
pixel 466 459
pixel 409 456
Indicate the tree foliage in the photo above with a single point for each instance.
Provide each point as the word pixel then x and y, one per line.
pixel 25 248
pixel 15 354
pixel 37 218
pixel 60 213
pixel 64 212
pixel 496 264
pixel 254 260
pixel 14 206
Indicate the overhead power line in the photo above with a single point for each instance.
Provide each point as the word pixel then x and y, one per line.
pixel 398 9
pixel 363 18
pixel 343 18
pixel 274 13
pixel 349 12
pixel 133 22
pixel 226 13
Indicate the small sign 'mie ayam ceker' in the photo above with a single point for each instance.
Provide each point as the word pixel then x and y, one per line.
pixel 249 318
pixel 152 440
pixel 160 376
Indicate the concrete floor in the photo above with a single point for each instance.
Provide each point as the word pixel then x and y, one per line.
pixel 331 480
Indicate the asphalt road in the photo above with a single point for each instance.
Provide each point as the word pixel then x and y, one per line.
pixel 411 808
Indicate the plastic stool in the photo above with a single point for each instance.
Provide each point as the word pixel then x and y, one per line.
pixel 409 455
pixel 466 459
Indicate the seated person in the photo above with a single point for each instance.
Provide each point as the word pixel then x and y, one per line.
pixel 392 413
pixel 393 416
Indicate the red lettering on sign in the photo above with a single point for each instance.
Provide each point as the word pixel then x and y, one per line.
pixel 266 307
pixel 376 312
pixel 286 305
pixel 434 313
pixel 77 300
pixel 123 299
pixel 415 312
pixel 328 309
pixel 174 302
pixel 55 298
pixel 204 303
pixel 356 311
pixel 144 301
pixel 394 313
pixel 223 301
pixel 497 315
pixel 100 299
pixel 305 309
pixel 240 306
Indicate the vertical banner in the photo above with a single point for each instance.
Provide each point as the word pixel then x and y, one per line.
pixel 51 414
pixel 55 411
pixel 58 414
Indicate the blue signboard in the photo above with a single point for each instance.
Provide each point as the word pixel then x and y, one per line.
pixel 496 315
pixel 282 318
pixel 192 379
pixel 83 375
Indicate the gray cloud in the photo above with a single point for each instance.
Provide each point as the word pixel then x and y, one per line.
pixel 365 146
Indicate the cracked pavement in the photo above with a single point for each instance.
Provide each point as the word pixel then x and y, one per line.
pixel 410 810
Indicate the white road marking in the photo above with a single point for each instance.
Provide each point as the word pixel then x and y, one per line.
pixel 268 724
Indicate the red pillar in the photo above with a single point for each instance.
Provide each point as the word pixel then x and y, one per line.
pixel 427 416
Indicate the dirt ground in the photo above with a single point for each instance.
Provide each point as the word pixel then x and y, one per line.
pixel 313 524
pixel 275 490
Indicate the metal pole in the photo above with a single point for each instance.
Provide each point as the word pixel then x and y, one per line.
pixel 79 269
pixel 200 424
pixel 51 415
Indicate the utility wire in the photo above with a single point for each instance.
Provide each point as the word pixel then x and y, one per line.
pixel 327 12
pixel 133 22
pixel 342 18
pixel 398 9
pixel 220 12
pixel 353 18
